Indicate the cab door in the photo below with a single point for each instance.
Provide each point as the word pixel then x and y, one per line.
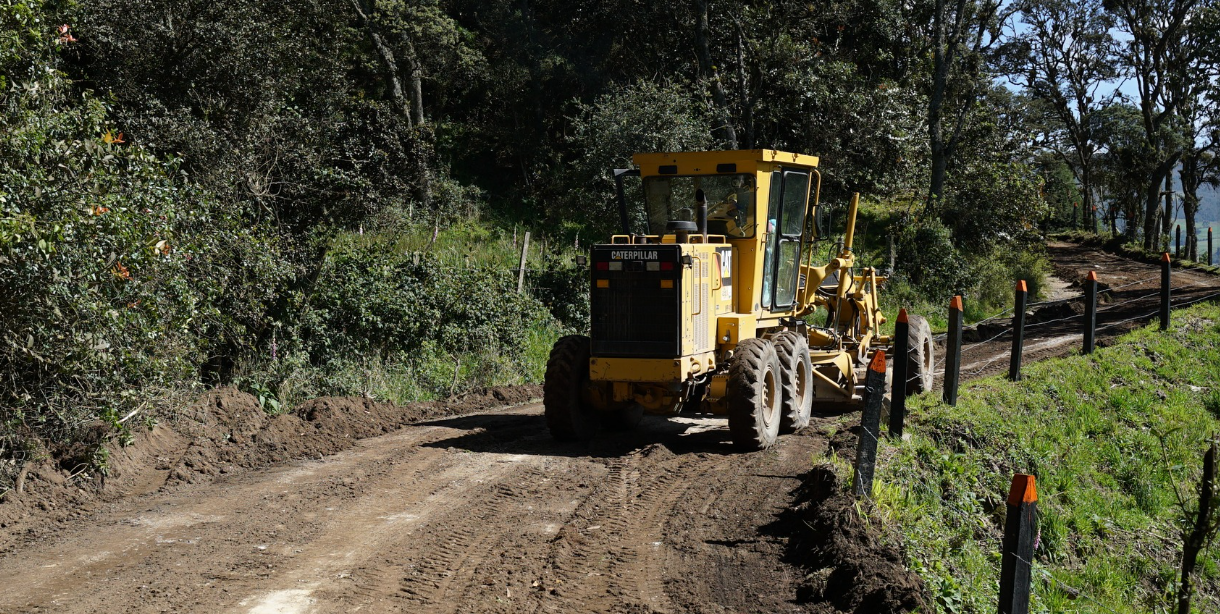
pixel 786 209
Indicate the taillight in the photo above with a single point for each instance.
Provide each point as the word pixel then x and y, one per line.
pixel 603 266
pixel 667 266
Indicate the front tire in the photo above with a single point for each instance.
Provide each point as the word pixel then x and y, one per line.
pixel 754 394
pixel 568 416
pixel 797 374
pixel 921 356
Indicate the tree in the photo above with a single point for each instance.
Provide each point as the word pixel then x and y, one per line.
pixel 963 33
pixel 1124 165
pixel 1162 69
pixel 1200 117
pixel 1063 59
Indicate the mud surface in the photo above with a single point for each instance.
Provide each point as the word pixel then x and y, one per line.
pixel 481 512
pixel 347 505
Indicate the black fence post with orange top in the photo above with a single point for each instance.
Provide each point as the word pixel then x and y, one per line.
pixel 1020 531
pixel 1090 312
pixel 1165 294
pixel 870 426
pixel 898 380
pixel 953 352
pixel 1020 300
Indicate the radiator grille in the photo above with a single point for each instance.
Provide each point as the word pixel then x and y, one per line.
pixel 635 316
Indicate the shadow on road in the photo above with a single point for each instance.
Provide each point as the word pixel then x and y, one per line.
pixel 527 434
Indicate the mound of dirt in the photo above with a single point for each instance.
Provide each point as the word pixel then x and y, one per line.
pixel 851 568
pixel 223 432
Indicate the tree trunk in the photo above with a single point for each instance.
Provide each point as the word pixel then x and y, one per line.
pixel 1189 178
pixel 747 110
pixel 386 55
pixel 1152 202
pixel 1167 224
pixel 415 76
pixel 711 74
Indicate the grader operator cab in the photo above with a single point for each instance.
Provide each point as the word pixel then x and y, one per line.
pixel 705 310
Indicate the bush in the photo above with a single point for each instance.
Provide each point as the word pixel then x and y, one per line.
pixel 118 279
pixel 929 260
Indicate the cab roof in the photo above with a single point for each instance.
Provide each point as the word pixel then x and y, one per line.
pixel 717 162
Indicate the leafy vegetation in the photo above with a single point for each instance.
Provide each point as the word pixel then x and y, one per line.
pixel 1114 439
pixel 328 197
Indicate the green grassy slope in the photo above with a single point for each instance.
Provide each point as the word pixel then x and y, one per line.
pixel 1110 438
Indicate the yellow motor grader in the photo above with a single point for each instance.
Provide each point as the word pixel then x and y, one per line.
pixel 706 310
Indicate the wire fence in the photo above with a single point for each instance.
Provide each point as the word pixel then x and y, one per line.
pixel 1123 304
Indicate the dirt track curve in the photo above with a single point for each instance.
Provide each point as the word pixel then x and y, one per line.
pixel 1129 296
pixel 480 512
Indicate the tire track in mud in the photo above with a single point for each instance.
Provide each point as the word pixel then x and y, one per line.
pixel 615 554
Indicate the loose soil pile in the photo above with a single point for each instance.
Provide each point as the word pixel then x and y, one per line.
pixel 852 568
pixel 223 432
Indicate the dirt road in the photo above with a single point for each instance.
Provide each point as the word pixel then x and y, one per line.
pixel 480 512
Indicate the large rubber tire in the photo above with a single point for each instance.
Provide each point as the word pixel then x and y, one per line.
pixel 568 417
pixel 921 358
pixel 797 374
pixel 754 394
pixel 625 419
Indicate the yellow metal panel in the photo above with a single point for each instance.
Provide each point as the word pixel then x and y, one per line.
pixel 735 328
pixel 652 370
pixel 704 162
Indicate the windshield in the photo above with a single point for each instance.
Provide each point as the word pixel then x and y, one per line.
pixel 730 202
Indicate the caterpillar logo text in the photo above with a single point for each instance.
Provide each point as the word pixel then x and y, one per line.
pixel 632 255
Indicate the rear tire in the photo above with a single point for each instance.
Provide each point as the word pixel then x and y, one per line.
pixel 921 357
pixel 568 417
pixel 754 394
pixel 797 374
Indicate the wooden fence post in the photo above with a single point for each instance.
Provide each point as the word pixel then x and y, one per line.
pixel 870 426
pixel 1165 290
pixel 1020 300
pixel 1090 312
pixel 898 380
pixel 953 351
pixel 525 246
pixel 1020 529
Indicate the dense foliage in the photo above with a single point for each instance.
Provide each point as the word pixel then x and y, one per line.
pixel 306 196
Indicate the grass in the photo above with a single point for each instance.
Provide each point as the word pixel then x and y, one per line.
pixel 1110 436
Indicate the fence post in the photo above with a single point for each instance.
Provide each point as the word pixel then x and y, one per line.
pixel 1090 312
pixel 1165 295
pixel 898 381
pixel 1019 531
pixel 870 426
pixel 1020 300
pixel 525 246
pixel 953 352
pixel 1209 246
pixel 1177 241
